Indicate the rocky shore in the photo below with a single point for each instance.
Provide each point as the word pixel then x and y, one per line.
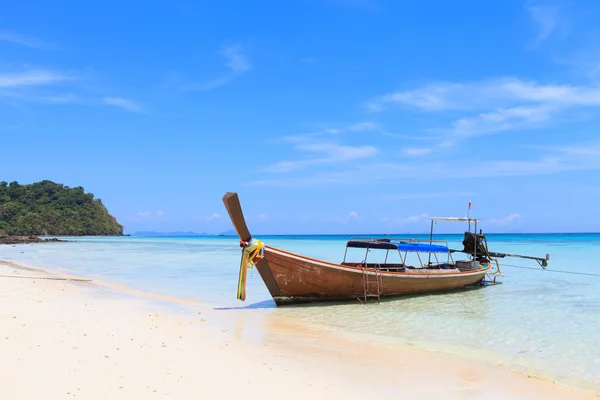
pixel 5 239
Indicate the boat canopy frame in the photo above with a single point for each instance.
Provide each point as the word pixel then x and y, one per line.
pixel 456 219
pixel 413 245
pixel 403 245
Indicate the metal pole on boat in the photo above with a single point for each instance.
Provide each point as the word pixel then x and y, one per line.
pixel 430 240
pixel 468 218
pixel 476 240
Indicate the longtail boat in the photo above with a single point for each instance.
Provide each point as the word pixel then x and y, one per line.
pixel 292 278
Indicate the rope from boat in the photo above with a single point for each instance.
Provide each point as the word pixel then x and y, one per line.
pixel 252 253
pixel 551 270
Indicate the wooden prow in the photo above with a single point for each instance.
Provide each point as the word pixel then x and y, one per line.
pixel 232 203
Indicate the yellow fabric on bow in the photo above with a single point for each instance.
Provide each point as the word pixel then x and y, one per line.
pixel 252 253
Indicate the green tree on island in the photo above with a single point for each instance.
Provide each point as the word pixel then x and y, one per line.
pixel 48 208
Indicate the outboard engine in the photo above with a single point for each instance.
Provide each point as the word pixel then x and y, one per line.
pixel 472 242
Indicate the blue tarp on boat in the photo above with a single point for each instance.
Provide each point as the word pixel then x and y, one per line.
pixel 387 244
pixel 422 247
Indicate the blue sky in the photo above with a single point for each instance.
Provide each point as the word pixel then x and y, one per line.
pixel 326 116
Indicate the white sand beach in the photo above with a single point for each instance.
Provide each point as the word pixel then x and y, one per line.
pixel 93 340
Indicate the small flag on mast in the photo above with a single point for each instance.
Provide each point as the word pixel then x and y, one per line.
pixel 469 204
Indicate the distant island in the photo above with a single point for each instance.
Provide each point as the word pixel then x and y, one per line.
pixel 47 208
pixel 153 233
pixel 180 234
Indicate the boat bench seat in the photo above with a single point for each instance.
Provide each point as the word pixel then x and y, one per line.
pixel 401 267
pixel 382 267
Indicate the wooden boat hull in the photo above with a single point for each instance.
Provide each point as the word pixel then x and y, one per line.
pixel 292 278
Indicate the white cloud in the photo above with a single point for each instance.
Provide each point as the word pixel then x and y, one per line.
pixel 287 166
pixel 419 136
pixel 431 97
pixel 363 126
pixel 67 98
pixel 499 104
pixel 262 216
pixel 592 150
pixel 416 151
pixel 24 40
pixel 212 217
pixel 59 99
pixel 340 152
pixel 146 215
pixel 507 220
pixel 125 104
pixel 329 153
pixel 352 215
pixel 556 161
pixel 546 19
pixel 548 160
pixel 17 82
pixel 418 196
pixel 373 107
pixel 414 218
pixel 311 135
pixel 444 96
pixel 31 78
pixel 501 120
pixel 404 221
pixel 236 63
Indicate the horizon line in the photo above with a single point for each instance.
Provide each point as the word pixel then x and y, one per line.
pixel 362 234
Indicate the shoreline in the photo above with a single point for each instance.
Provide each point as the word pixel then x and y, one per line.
pixel 13 240
pixel 304 350
pixel 29 239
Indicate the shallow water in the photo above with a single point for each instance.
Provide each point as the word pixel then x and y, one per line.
pixel 538 321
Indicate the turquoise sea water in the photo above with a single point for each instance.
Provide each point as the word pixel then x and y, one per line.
pixel 538 321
